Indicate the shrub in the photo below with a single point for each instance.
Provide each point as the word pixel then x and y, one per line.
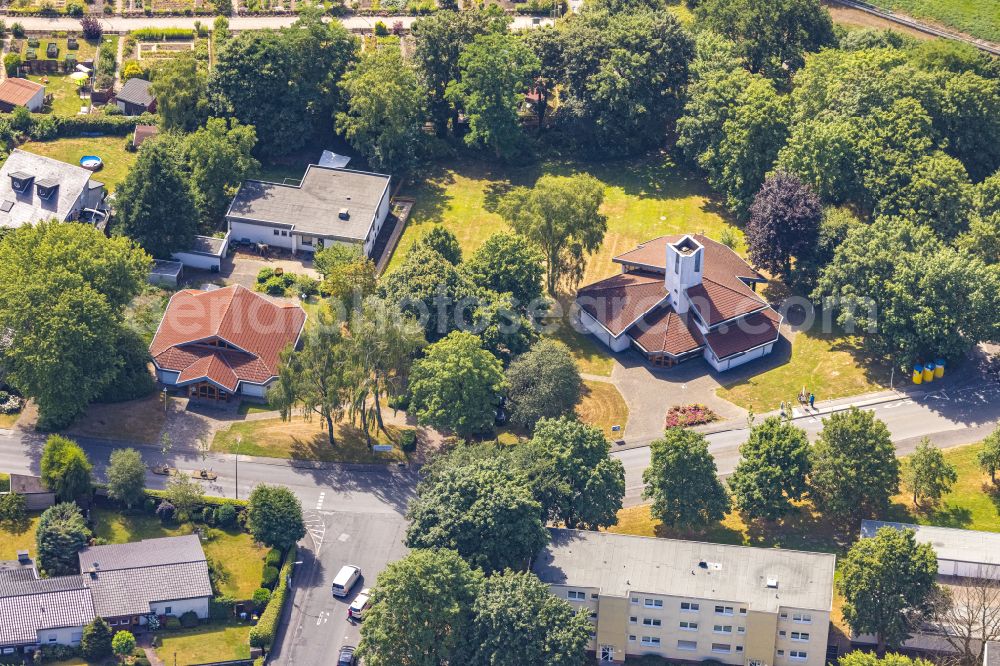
pixel 161 34
pixel 400 402
pixel 306 285
pixel 113 110
pixel 11 62
pixel 208 515
pixel 74 9
pixel 262 635
pixel 225 516
pixel 133 379
pixel 171 622
pixel 92 28
pixel 273 558
pixel 150 505
pixel 264 275
pixel 165 511
pixel 269 577
pixel 274 286
pixel 381 30
pixel 260 597
pixel 13 509
pixel 10 403
pixel 680 416
pixel 17 30
pixel 189 619
pixel 408 441
pixel 221 608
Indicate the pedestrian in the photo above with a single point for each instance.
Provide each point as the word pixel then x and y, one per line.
pixel 782 408
pixel 812 401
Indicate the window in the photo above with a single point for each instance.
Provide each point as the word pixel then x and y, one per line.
pixel 593 615
pixel 690 646
pixel 802 618
pixel 797 654
pixel 652 603
pixel 652 622
pixel 723 610
pixel 677 263
pixel 576 595
pixel 168 611
pixel 739 648
pixel 689 626
pixel 633 620
pixel 722 647
pixel 743 611
pixel 741 630
pixel 689 607
pixel 631 637
pixel 781 633
pixel 697 261
pixel 635 600
pixel 650 641
pixel 53 638
pixel 755 662
pixel 277 233
pixel 781 653
pixel 784 616
pixel 593 595
pixel 800 635
pixel 723 628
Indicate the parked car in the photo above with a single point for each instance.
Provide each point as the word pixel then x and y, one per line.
pixel 356 611
pixel 345 580
pixel 346 657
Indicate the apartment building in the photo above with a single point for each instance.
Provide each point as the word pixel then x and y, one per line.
pixel 692 601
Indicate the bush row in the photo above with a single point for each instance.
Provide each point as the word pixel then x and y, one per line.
pixel 262 634
pixel 161 34
pixel 44 127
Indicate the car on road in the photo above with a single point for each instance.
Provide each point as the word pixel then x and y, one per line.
pixel 345 580
pixel 346 657
pixel 356 611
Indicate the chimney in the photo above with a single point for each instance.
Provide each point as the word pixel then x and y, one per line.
pixel 23 557
pixel 685 262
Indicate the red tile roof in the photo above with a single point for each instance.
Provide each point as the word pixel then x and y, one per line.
pixel 721 263
pixel 18 92
pixel 665 331
pixel 255 328
pixel 618 301
pixel 745 334
pixel 717 302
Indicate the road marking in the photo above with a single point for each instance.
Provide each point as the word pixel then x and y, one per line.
pixel 316 528
pixel 344 536
pixel 319 502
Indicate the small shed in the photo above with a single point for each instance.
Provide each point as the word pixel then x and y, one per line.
pixel 37 497
pixel 143 132
pixel 16 92
pixel 136 97
pixel 206 253
pixel 166 273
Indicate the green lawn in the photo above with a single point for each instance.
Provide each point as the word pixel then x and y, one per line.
pixel 299 439
pixel 20 537
pixel 979 18
pixel 603 406
pixel 65 93
pixel 207 644
pixel 241 560
pixel 829 366
pixel 111 149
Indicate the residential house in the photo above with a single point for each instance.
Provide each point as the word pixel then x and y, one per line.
pixel 960 553
pixel 15 92
pixel 131 581
pixel 679 297
pixel 225 343
pixel 692 601
pixel 136 97
pixel 330 205
pixel 35 188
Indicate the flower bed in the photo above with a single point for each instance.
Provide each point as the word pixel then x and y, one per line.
pixel 681 416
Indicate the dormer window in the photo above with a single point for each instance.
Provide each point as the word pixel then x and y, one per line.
pixel 46 188
pixel 20 182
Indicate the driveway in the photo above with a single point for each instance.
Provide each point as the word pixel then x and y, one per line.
pixel 242 268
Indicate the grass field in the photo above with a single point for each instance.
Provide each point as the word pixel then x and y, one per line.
pixel 207 644
pixel 299 439
pixel 979 18
pixel 21 537
pixel 826 365
pixel 241 560
pixel 603 406
pixel 135 421
pixel 111 149
pixel 8 420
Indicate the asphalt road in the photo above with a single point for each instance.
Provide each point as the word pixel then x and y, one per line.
pixel 948 418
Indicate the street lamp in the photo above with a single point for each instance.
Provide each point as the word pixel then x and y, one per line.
pixel 239 441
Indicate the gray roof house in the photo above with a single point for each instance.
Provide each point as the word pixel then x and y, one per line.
pixel 35 188
pixel 36 611
pixel 167 576
pixel 136 97
pixel 329 205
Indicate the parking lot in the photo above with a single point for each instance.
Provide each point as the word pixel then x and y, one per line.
pixel 318 625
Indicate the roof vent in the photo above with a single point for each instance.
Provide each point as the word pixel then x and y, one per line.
pixel 6 206
pixel 344 214
pixel 23 557
pixel 772 583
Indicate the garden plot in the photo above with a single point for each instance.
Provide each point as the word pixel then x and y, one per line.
pixel 162 50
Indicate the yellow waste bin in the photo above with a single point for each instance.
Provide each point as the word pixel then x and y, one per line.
pixel 939 368
pixel 929 372
pixel 918 373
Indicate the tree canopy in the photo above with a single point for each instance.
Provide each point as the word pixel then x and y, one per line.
pixel 60 535
pixel 927 474
pixel 508 263
pixel 274 516
pixel 65 469
pixel 771 474
pixel 126 476
pixel 218 158
pixel 181 89
pixel 544 382
pixel 682 481
pixel 784 223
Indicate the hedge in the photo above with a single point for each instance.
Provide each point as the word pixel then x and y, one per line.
pixel 207 500
pixel 161 34
pixel 96 125
pixel 262 634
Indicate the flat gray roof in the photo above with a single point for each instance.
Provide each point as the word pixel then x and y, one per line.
pixel 618 564
pixel 313 207
pixel 208 245
pixel 949 543
pixel 166 267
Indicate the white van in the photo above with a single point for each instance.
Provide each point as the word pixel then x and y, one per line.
pixel 345 580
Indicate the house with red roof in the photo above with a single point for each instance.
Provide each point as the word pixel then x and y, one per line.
pixel 225 343
pixel 679 297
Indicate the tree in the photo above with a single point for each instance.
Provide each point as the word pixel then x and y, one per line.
pixel 13 511
pixel 495 71
pixel 181 89
pixel 274 516
pixel 562 216
pixel 544 382
pixel 887 582
pixel 682 481
pixel 927 474
pixel 503 328
pixel 218 159
pixel 483 510
pixel 989 456
pixel 96 641
pixel 517 620
pixel 126 476
pixel 420 611
pixel 65 468
pixel 220 29
pixel 772 37
pixel 155 205
pixel 428 287
pixel 861 658
pixel 185 494
pixel 508 263
pixel 60 535
pixel 771 474
pixel 385 110
pixel 854 467
pixel 316 377
pixel 123 644
pixel 457 385
pixel 62 298
pixel 12 63
pixel 784 222
pixel 92 28
pixel 283 82
pixel 938 195
pixel 442 240
pixel 438 41
pixel 572 474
